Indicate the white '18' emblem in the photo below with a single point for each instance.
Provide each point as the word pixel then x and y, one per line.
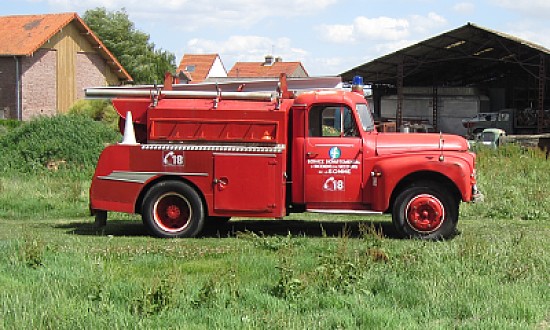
pixel 172 159
pixel 332 184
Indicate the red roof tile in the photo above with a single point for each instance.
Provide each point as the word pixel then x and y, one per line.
pixel 22 35
pixel 202 63
pixel 259 69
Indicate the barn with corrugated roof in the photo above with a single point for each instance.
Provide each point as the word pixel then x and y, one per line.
pixel 458 73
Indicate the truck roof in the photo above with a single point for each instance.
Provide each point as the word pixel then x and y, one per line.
pixel 329 96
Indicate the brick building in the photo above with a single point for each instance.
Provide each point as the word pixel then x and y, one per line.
pixel 47 60
pixel 270 68
pixel 197 68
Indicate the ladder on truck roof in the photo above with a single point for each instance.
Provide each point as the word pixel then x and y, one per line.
pixel 257 90
pixel 114 92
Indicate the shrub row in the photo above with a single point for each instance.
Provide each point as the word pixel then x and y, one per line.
pixel 73 141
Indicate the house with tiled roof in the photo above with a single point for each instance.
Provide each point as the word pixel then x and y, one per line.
pixel 198 67
pixel 270 68
pixel 46 61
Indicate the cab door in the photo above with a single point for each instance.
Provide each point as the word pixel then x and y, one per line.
pixel 333 156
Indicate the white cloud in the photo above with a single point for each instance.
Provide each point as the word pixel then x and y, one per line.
pixel 533 33
pixel 385 29
pixel 197 14
pixel 373 37
pixel 247 48
pixel 529 20
pixel 327 65
pixel 337 33
pixel 425 25
pixel 513 4
pixel 464 8
pixel 390 47
pixel 534 8
pixel 381 28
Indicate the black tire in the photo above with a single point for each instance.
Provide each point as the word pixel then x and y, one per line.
pixel 425 211
pixel 173 209
pixel 477 131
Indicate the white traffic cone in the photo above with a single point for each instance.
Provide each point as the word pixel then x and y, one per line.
pixel 129 134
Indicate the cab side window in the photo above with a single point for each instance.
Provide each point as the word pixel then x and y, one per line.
pixel 331 120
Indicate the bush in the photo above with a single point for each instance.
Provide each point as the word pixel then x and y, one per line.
pixel 98 110
pixel 66 141
pixel 8 124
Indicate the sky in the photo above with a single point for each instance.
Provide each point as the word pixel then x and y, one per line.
pixel 327 36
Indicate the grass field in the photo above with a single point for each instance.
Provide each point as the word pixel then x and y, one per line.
pixel 57 271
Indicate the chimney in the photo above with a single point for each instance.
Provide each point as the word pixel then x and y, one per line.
pixel 268 60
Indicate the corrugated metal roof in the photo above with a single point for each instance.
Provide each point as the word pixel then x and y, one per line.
pixel 22 35
pixel 468 55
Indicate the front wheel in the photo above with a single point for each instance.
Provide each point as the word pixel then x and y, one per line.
pixel 173 209
pixel 425 211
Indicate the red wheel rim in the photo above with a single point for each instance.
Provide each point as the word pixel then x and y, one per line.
pixel 172 212
pixel 425 213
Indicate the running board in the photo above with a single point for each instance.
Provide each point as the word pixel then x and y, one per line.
pixel 336 211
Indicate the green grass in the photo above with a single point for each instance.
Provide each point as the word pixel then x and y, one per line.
pixel 43 196
pixel 516 182
pixel 64 274
pixel 57 271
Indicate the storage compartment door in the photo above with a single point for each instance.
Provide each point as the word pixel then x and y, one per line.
pixel 247 183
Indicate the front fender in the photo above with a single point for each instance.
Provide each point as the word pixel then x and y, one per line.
pixel 391 173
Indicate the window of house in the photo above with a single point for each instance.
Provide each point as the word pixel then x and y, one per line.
pixel 190 68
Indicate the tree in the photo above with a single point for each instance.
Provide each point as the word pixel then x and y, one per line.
pixel 130 46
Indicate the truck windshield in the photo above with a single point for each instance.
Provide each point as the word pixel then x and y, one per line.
pixel 365 116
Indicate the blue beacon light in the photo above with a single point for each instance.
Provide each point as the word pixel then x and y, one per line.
pixel 357 85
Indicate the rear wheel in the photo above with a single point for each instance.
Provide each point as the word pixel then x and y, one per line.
pixel 173 209
pixel 425 211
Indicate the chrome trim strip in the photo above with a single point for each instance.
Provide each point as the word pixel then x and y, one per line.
pixel 142 177
pixel 336 211
pixel 334 145
pixel 279 148
pixel 245 155
pixel 168 173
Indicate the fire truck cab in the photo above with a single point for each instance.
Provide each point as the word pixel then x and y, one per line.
pixel 190 159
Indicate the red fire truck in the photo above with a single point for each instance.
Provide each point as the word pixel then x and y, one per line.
pixel 190 159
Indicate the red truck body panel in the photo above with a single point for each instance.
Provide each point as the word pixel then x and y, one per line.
pixel 250 179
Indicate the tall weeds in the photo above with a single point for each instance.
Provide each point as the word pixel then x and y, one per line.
pixel 515 181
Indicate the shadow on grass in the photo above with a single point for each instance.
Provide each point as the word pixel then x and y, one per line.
pixel 307 228
pixel 113 228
